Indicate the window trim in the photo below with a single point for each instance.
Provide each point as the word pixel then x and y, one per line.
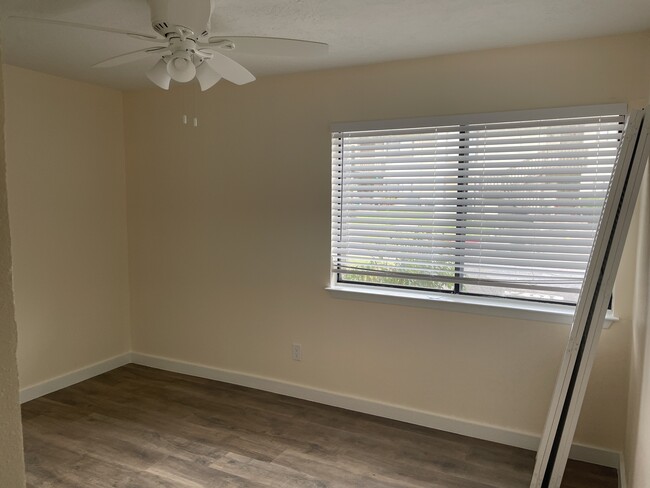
pixel 484 305
pixel 478 305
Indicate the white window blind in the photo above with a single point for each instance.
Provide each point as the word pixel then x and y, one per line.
pixel 499 205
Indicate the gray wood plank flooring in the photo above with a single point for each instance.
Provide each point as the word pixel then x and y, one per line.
pixel 138 427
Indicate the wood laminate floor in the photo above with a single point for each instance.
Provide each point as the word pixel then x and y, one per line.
pixel 138 427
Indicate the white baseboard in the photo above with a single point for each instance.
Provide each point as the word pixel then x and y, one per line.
pixel 69 379
pixel 588 454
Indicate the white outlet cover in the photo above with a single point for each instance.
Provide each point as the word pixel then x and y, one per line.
pixel 296 352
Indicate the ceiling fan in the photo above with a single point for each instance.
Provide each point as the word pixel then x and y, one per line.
pixel 187 51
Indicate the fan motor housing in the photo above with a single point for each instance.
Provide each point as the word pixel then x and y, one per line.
pixel 167 15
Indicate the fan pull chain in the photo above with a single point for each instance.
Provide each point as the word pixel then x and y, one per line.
pixel 192 102
pixel 195 90
pixel 195 121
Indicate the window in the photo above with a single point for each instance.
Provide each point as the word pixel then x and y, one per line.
pixel 499 205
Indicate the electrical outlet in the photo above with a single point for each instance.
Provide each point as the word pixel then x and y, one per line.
pixel 296 352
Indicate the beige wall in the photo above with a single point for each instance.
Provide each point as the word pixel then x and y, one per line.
pixel 65 166
pixel 12 474
pixel 637 442
pixel 229 237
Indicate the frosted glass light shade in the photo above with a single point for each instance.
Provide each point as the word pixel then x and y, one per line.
pixel 181 69
pixel 207 76
pixel 159 76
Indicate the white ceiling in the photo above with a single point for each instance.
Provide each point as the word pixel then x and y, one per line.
pixel 358 31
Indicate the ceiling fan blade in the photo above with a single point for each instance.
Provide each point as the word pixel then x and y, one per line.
pixel 229 69
pixel 137 35
pixel 271 46
pixel 148 38
pixel 130 57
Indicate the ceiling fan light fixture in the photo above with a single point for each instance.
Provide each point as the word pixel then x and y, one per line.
pixel 185 45
pixel 159 76
pixel 181 69
pixel 207 76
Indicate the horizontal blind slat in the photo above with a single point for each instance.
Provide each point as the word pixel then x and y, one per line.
pixel 415 170
pixel 468 229
pixel 460 237
pixel 547 139
pixel 449 156
pixel 487 225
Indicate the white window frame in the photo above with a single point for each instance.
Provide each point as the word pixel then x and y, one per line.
pixel 483 305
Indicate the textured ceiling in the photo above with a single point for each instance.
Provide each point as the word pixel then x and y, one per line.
pixel 358 31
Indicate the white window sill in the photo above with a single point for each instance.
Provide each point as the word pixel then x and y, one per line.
pixel 499 307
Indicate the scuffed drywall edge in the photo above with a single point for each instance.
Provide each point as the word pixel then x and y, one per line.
pixel 588 454
pixel 622 476
pixel 68 379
